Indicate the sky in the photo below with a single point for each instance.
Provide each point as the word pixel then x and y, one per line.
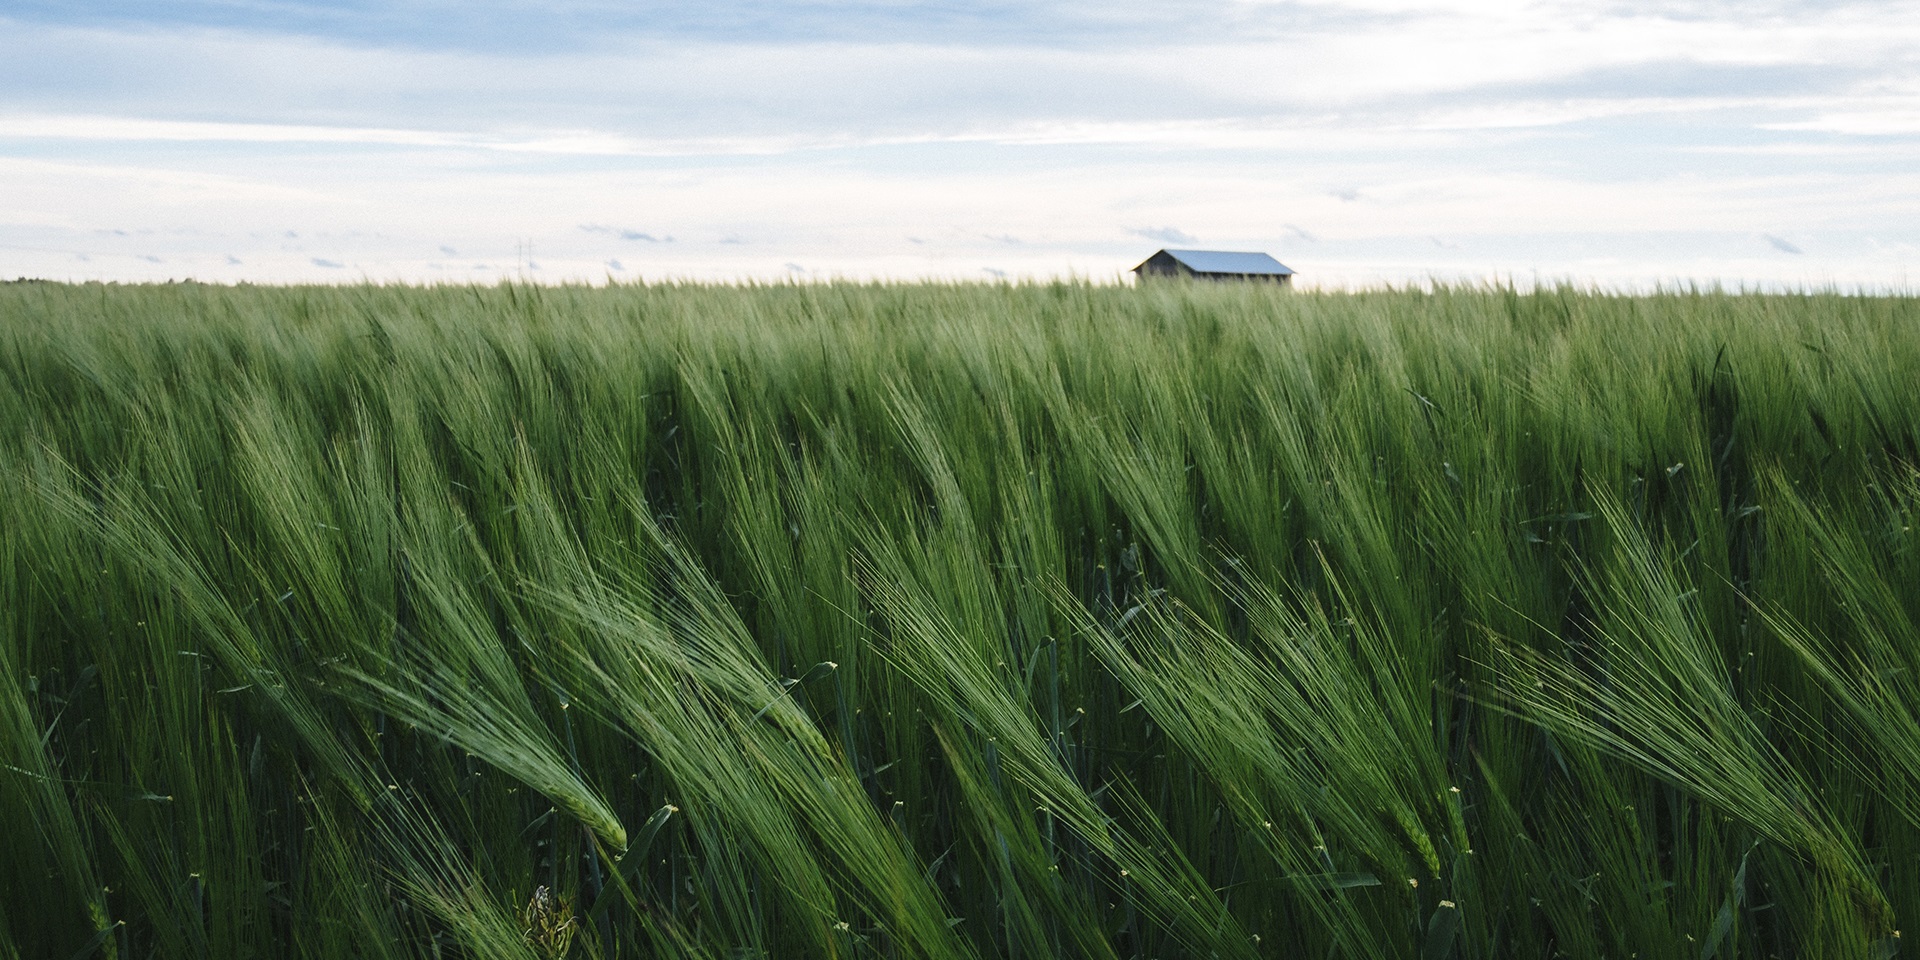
pixel 1625 145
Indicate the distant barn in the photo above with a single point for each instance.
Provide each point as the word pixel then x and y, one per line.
pixel 1216 265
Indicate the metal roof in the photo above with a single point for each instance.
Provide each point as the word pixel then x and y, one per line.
pixel 1226 261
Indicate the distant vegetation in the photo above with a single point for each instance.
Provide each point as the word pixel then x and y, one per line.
pixel 956 621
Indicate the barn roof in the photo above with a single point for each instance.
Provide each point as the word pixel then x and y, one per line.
pixel 1225 261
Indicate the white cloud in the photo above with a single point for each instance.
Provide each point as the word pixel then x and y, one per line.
pixel 640 90
pixel 1874 117
pixel 1552 136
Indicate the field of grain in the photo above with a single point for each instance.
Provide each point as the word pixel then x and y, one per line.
pixel 956 621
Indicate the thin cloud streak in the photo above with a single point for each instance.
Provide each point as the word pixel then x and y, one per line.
pixel 1163 234
pixel 1312 134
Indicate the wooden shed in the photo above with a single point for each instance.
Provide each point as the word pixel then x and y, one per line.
pixel 1216 265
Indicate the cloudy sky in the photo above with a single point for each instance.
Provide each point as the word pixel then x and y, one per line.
pixel 1361 141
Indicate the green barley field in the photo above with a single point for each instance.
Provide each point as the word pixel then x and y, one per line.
pixel 957 621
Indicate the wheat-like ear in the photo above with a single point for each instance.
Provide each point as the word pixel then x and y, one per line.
pixel 939 621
